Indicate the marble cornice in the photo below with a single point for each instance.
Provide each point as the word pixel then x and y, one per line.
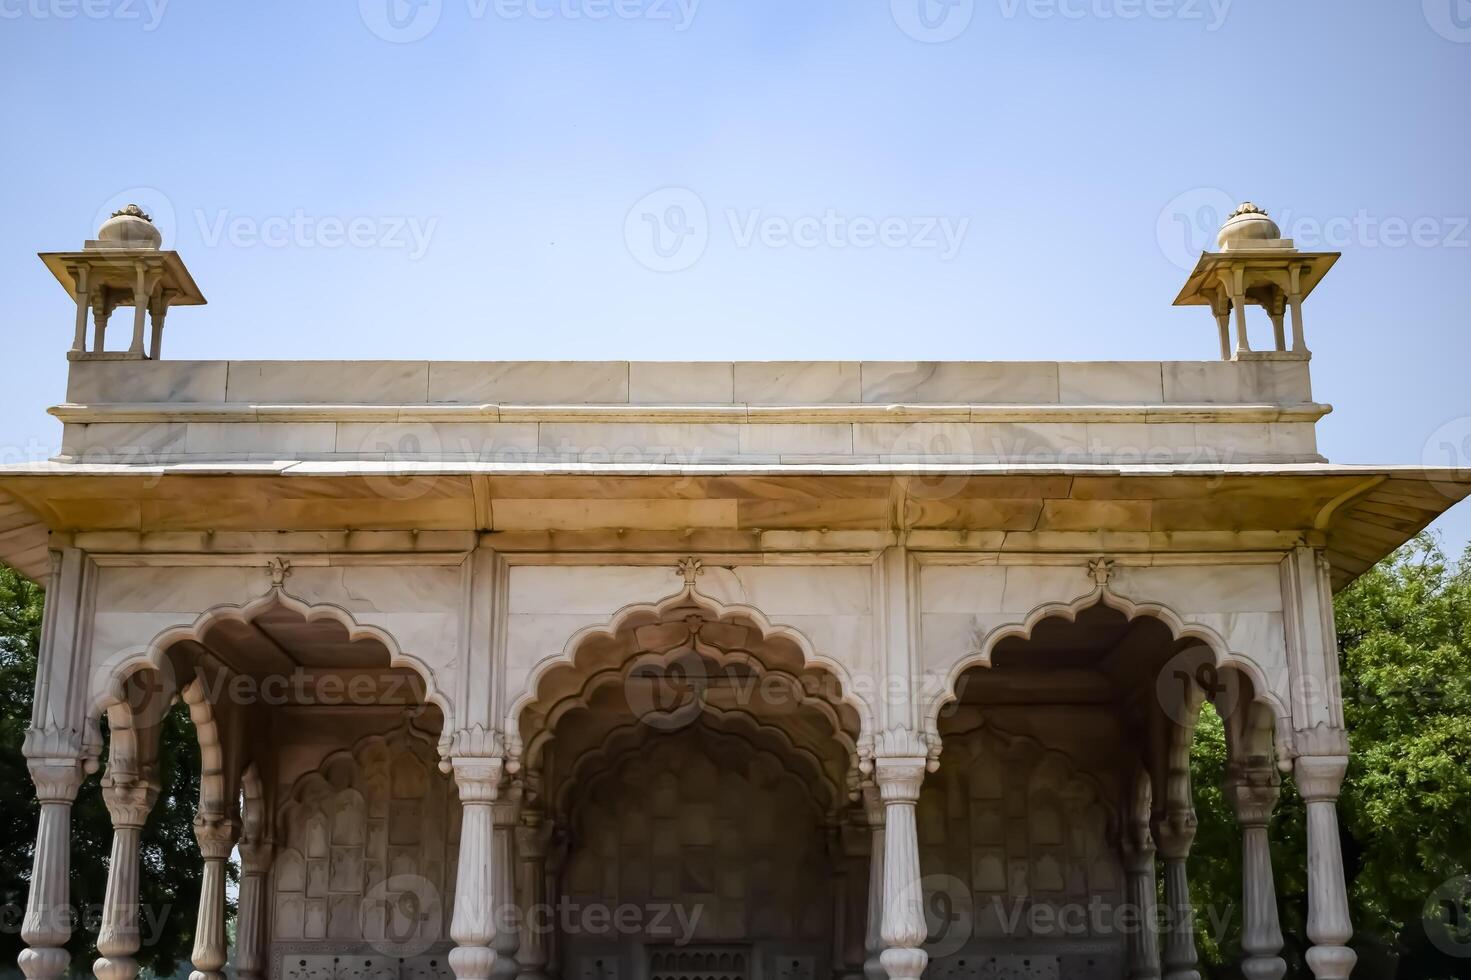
pixel 141 412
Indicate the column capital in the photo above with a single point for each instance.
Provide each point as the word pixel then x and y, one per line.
pixel 1319 777
pixel 216 834
pixel 1174 832
pixel 477 757
pixel 129 799
pixel 901 758
pixel 256 855
pixel 534 836
pixel 1253 793
pixel 58 761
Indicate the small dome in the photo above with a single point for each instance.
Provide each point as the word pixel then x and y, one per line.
pixel 130 228
pixel 1247 224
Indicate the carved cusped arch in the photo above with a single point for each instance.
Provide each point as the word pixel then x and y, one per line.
pixel 595 649
pixel 1181 628
pixel 110 678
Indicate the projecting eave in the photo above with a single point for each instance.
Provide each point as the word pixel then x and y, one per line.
pixel 1359 514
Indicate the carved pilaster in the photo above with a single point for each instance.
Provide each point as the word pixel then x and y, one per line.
pixel 900 762
pixel 873 943
pixel 506 819
pixel 1140 878
pixel 477 759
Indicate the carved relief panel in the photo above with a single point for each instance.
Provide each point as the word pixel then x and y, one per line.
pixel 1022 846
pixel 369 850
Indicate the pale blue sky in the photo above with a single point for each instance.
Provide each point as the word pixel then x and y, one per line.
pixel 1075 153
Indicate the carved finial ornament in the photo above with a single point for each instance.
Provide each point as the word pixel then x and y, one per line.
pixel 280 572
pixel 1100 570
pixel 691 569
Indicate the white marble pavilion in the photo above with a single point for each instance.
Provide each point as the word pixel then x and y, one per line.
pixel 659 671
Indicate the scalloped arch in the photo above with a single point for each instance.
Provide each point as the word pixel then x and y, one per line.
pixel 109 676
pixel 1179 627
pixel 631 737
pixel 723 612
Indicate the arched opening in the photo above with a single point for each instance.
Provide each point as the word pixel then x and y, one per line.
pixel 1066 776
pixel 287 704
pixel 696 770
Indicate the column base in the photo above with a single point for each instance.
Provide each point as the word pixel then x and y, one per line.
pixel 43 962
pixel 1331 962
pixel 115 968
pixel 472 962
pixel 1264 968
pixel 904 964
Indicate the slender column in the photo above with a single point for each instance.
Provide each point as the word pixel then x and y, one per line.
pixel 1223 327
pixel 854 839
pixel 102 307
pixel 129 800
pixel 84 300
pixel 899 768
pixel 140 306
pixel 505 818
pixel 216 835
pixel 158 309
pixel 873 944
pixel 1139 872
pixel 1238 302
pixel 1253 794
pixel 48 920
pixel 1279 336
pixel 1294 302
pixel 1318 780
pixel 532 839
pixel 250 922
pixel 1176 833
pixel 478 765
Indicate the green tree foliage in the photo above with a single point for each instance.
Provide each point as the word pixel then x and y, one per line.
pixel 1404 631
pixel 171 868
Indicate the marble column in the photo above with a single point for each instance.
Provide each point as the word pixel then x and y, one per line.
pixel 1175 834
pixel 216 835
pixel 532 840
pixel 129 800
pixel 1253 793
pixel 873 944
pixel 250 921
pixel 1318 779
pixel 505 818
pixel 899 769
pixel 48 920
pixel 476 759
pixel 1140 876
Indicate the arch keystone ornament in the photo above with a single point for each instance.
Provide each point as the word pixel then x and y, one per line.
pixel 901 757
